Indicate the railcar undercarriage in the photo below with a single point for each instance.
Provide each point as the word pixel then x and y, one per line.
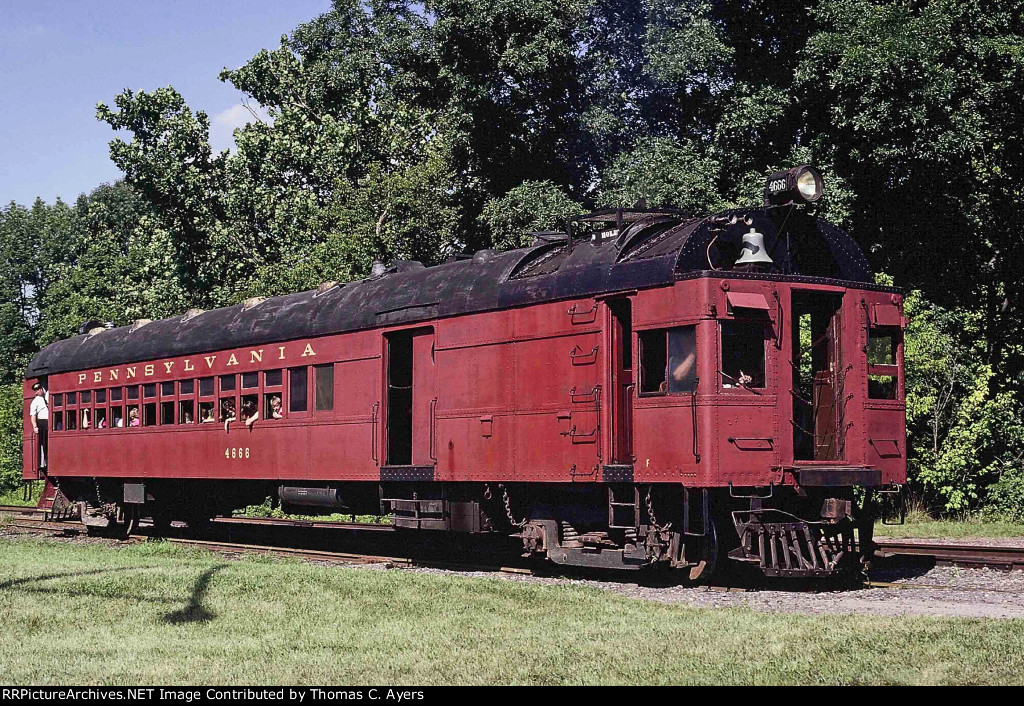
pixel 783 532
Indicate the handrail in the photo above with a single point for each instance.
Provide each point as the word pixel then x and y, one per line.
pixel 432 446
pixel 693 415
pixel 373 431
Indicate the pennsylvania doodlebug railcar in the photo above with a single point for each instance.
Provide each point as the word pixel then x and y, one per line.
pixel 645 388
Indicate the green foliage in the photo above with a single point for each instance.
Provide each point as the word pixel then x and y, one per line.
pixel 1006 496
pixel 666 173
pixel 11 423
pixel 530 207
pixel 963 435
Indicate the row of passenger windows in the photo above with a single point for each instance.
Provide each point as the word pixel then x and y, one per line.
pixel 223 398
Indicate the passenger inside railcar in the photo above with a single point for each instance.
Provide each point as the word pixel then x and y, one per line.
pixel 272 407
pixel 227 411
pixel 133 416
pixel 206 412
pixel 85 419
pixel 250 410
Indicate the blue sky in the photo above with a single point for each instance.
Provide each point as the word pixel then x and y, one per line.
pixel 58 58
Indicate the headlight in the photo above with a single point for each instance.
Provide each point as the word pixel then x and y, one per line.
pixel 799 185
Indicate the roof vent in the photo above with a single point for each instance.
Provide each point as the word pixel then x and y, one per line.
pixel 482 257
pixel 251 302
pixel 325 287
pixel 87 327
pixel 548 236
pixel 406 266
pixel 97 329
pixel 139 323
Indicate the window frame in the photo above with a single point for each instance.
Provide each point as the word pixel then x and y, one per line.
pixel 287 402
pixel 267 390
pixel 327 411
pixel 764 322
pixel 885 370
pixel 640 367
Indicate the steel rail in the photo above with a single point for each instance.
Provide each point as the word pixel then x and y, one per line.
pixel 958 554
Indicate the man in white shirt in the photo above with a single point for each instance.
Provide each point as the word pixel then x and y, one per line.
pixel 40 413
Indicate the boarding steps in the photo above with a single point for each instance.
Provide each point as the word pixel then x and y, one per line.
pixel 55 505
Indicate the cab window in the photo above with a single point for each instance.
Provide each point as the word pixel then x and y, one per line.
pixel 883 346
pixel 743 345
pixel 668 360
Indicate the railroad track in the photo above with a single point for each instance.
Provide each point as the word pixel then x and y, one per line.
pixel 32 521
pixel 969 555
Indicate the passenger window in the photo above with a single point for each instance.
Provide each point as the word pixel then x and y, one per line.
pixel 101 396
pixel 133 415
pixel 250 380
pixel 206 387
pixel 116 417
pixel 186 387
pixel 743 354
pixel 86 419
pixel 58 421
pixel 324 391
pixel 227 409
pixel 272 378
pixel 167 412
pixel 297 390
pixel 58 399
pixel 250 408
pixel 227 383
pixel 72 397
pixel 167 389
pixel 272 407
pixel 668 359
pixel 115 394
pixel 149 390
pixel 186 412
pixel 86 396
pixel 206 413
pixel 883 346
pixel 101 417
pixel 149 414
pixel 132 393
pixel 72 420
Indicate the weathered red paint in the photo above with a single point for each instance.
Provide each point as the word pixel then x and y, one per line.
pixel 492 400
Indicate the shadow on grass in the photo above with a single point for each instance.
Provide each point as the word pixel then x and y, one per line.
pixel 70 574
pixel 195 612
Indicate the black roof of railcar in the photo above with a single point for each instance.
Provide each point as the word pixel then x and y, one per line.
pixel 653 251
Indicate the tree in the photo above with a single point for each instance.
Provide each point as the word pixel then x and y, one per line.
pixel 532 206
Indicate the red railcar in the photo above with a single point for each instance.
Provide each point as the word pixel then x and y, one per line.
pixel 649 388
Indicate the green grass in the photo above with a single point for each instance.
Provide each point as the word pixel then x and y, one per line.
pixel 952 529
pixel 269 509
pixel 155 613
pixel 16 496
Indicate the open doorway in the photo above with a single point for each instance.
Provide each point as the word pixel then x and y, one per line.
pixel 622 380
pixel 818 377
pixel 399 415
pixel 411 398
